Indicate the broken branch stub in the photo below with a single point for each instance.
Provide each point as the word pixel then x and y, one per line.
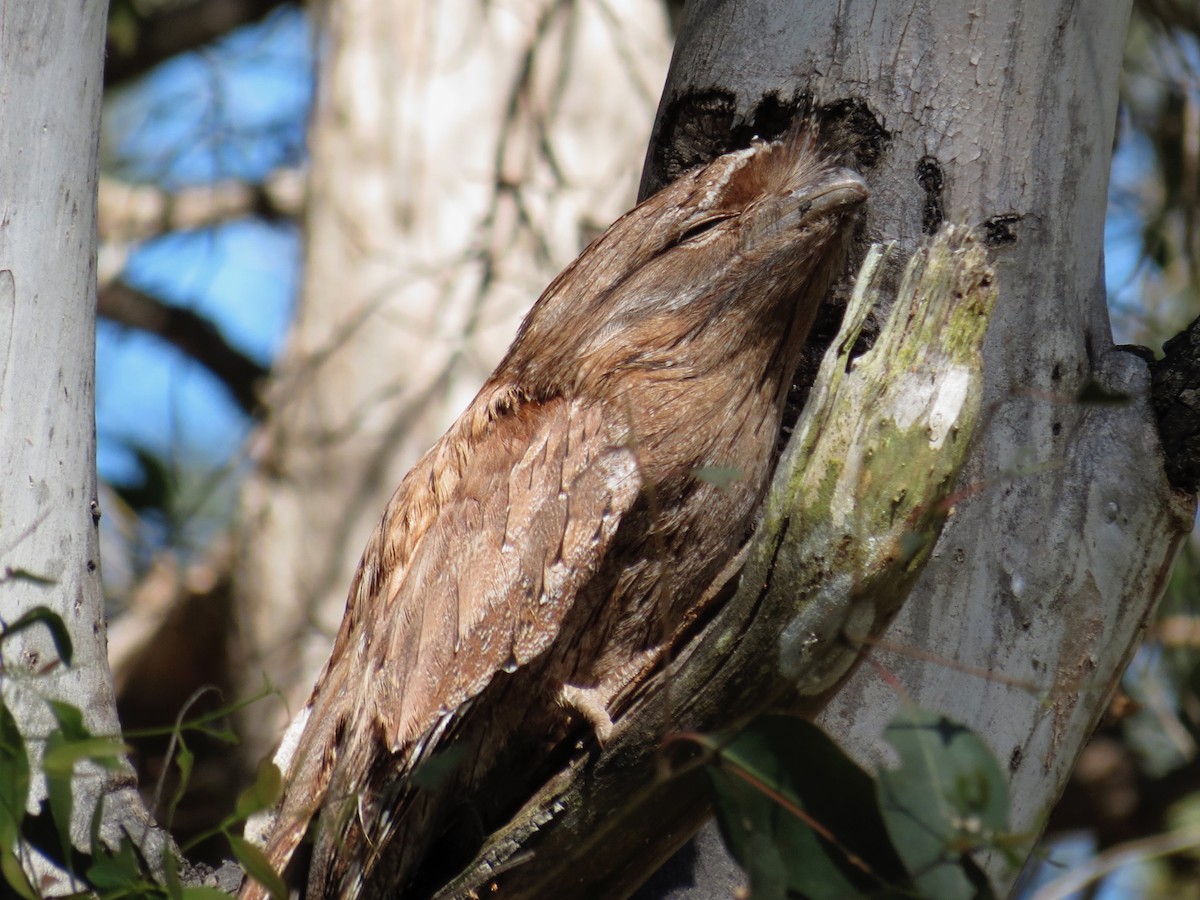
pixel 864 486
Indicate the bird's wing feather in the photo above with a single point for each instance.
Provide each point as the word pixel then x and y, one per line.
pixel 477 560
pixel 488 584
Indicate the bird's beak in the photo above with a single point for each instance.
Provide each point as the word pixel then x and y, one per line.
pixel 841 192
pixel 838 193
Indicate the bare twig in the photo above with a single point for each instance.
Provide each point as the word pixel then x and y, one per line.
pixel 191 333
pixel 136 212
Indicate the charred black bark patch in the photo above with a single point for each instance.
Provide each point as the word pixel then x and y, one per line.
pixel 933 182
pixel 1000 230
pixel 697 127
pixel 700 125
pixel 849 125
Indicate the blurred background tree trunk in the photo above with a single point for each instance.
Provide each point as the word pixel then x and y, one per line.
pixel 463 152
pixel 1065 531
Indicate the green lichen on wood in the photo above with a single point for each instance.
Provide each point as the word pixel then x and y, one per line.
pixel 862 491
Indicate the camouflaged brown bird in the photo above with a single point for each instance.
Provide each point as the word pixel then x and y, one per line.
pixel 533 563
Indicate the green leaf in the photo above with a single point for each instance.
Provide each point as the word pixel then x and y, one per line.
pixel 948 798
pixel 257 866
pixel 67 744
pixel 766 869
pixel 14 875
pixel 59 796
pixel 96 823
pixel 45 616
pixel 14 778
pixel 170 869
pixel 751 837
pixel 114 871
pixel 771 775
pixel 70 720
pixel 73 741
pixel 185 759
pixel 263 794
pixel 104 751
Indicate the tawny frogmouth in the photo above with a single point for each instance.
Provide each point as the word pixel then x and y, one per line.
pixel 538 557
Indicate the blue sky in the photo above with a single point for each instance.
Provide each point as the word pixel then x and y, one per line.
pixel 243 275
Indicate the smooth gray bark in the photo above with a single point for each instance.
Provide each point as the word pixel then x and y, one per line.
pixel 855 506
pixel 50 89
pixel 1063 539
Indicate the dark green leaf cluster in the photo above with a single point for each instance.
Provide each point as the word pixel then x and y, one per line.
pixel 805 821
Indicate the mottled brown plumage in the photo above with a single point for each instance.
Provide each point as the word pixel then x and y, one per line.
pixel 541 553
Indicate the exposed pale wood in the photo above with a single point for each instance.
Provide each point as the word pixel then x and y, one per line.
pixel 855 507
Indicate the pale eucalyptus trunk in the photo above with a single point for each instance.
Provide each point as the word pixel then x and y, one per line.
pixel 50 89
pixel 1063 540
pixel 1064 528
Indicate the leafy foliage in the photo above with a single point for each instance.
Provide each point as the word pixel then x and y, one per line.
pixel 947 800
pixel 805 820
pixel 108 873
pixel 799 815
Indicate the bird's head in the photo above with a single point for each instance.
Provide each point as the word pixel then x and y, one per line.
pixel 744 244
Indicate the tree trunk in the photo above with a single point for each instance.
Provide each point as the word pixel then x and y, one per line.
pixel 1002 119
pixel 50 88
pixel 1064 528
pixel 462 153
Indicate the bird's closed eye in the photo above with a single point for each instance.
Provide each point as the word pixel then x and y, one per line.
pixel 703 227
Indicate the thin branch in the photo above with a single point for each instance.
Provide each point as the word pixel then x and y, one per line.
pixel 1101 866
pixel 136 212
pixel 191 333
